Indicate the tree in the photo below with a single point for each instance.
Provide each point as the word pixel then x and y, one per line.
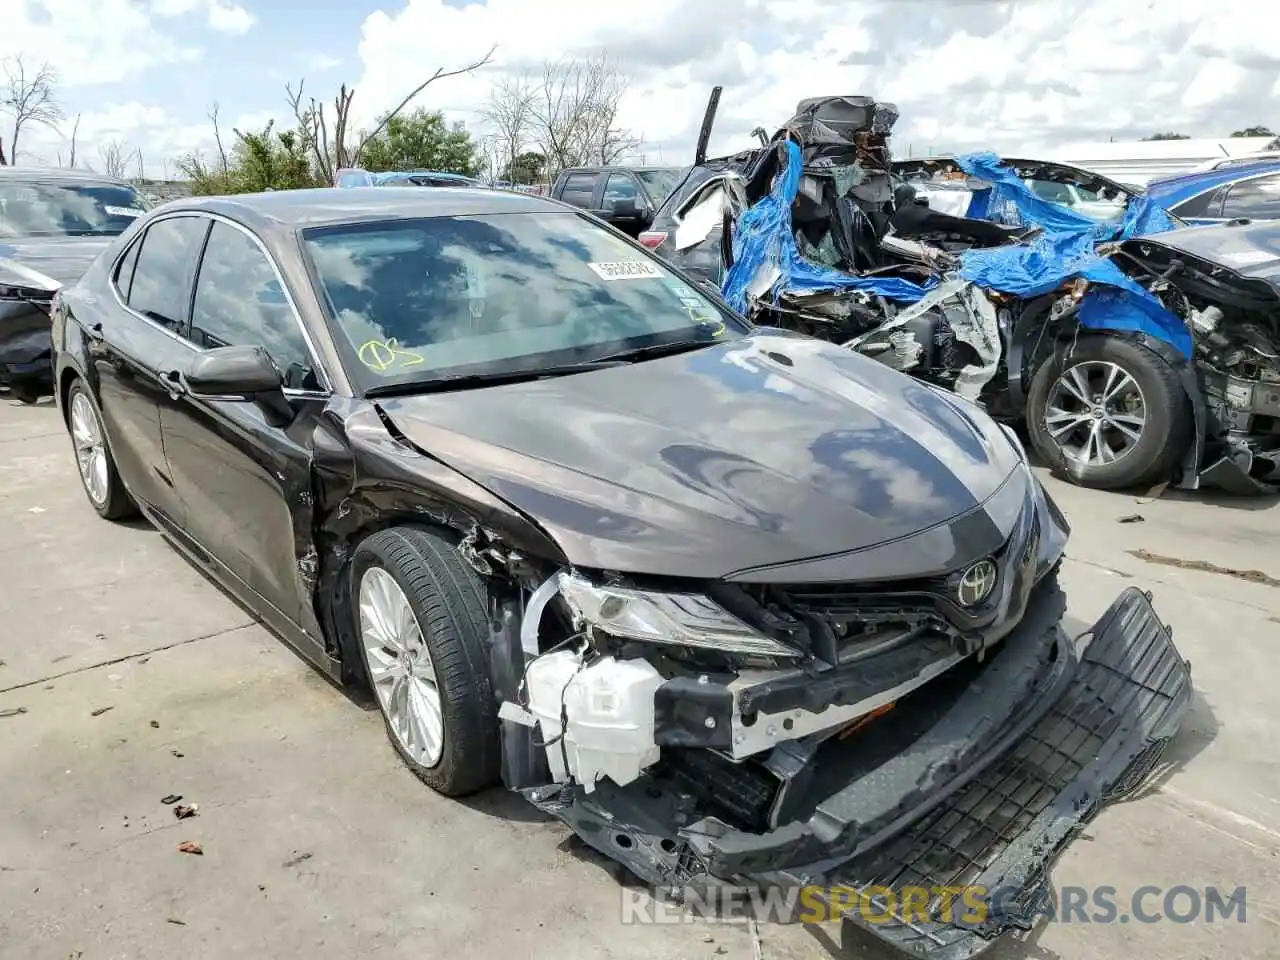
pixel 269 159
pixel 71 155
pixel 116 158
pixel 421 140
pixel 29 98
pixel 328 136
pixel 574 113
pixel 509 111
pixel 527 168
pixel 1254 132
pixel 1167 136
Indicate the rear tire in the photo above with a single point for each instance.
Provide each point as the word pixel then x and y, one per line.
pixel 1131 394
pixel 445 631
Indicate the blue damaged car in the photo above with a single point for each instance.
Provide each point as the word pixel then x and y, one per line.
pixel 1094 324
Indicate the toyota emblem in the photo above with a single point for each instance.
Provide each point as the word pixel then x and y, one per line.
pixel 976 583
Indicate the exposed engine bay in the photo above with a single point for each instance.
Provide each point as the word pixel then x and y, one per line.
pixel 959 272
pixel 827 733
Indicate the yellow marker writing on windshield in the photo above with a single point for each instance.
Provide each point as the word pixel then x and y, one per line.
pixel 382 355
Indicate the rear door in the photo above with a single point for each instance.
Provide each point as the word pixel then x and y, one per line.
pixel 246 483
pixel 621 187
pixel 1255 199
pixel 140 338
pixel 579 189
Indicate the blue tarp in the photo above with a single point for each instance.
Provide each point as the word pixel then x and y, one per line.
pixel 763 236
pixel 1064 250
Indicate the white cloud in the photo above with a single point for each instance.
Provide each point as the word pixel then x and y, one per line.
pixel 230 18
pixel 1022 75
pixel 1019 75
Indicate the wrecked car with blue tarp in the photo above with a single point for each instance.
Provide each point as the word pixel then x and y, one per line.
pixel 1135 349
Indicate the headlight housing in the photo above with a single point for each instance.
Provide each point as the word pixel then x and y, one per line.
pixel 673 619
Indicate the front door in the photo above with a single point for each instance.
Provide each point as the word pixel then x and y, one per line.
pixel 246 483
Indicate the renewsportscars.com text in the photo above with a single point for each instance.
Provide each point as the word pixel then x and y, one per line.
pixel 960 905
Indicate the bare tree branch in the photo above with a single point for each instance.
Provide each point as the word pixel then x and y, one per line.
pixel 223 164
pixel 510 111
pixel 71 158
pixel 574 113
pixel 29 98
pixel 116 157
pixel 327 137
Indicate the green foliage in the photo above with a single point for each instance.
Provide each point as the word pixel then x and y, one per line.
pixel 527 168
pixel 1254 132
pixel 268 160
pixel 421 141
pixel 1167 136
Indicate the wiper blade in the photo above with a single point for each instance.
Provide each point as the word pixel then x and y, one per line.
pixel 656 350
pixel 466 380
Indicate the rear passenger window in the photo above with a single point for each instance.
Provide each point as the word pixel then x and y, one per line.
pixel 160 289
pixel 1207 205
pixel 239 302
pixel 579 188
pixel 124 272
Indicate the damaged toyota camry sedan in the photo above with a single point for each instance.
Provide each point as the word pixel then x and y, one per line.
pixel 736 605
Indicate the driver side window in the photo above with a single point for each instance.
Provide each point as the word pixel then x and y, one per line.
pixel 619 186
pixel 239 301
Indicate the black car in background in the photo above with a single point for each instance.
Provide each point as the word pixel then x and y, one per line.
pixel 52 225
pixel 626 197
pixel 731 603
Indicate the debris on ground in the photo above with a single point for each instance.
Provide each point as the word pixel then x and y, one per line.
pixel 176 923
pixel 1132 518
pixel 12 711
pixel 178 753
pixel 100 711
pixel 1155 493
pixel 155 724
pixel 190 846
pixel 1204 566
pixel 183 810
pixel 171 799
pixel 296 859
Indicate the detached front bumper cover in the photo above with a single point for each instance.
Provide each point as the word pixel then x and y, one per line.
pixel 985 799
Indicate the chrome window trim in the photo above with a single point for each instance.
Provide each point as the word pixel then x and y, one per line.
pixel 313 352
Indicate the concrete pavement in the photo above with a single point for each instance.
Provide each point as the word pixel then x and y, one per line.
pixel 317 843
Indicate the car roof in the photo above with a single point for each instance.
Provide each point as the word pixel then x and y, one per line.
pixel 1170 191
pixel 57 173
pixel 321 206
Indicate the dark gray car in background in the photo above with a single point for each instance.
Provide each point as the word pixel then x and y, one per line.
pixel 53 224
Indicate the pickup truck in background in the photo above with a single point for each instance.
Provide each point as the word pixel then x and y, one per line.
pixel 626 197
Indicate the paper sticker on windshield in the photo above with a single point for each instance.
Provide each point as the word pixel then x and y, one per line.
pixel 626 270
pixel 124 211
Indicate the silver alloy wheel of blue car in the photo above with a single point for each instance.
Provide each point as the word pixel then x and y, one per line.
pixel 1095 412
pixel 401 671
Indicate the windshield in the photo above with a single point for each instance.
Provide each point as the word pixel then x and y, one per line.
pixel 423 299
pixel 47 208
pixel 660 183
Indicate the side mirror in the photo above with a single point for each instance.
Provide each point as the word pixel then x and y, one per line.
pixel 228 372
pixel 244 374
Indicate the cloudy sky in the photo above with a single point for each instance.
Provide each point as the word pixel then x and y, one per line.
pixel 1025 75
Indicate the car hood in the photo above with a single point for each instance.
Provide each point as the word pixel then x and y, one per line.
pixel 1241 259
pixel 37 261
pixel 750 453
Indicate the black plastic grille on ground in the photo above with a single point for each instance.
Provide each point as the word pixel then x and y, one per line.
pixel 1003 830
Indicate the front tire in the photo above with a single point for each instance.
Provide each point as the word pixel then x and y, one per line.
pixel 1109 414
pixel 98 475
pixel 422 629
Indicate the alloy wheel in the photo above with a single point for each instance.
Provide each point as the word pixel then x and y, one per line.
pixel 91 450
pixel 1095 412
pixel 400 667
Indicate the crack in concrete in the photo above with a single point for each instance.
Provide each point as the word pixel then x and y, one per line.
pixel 128 656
